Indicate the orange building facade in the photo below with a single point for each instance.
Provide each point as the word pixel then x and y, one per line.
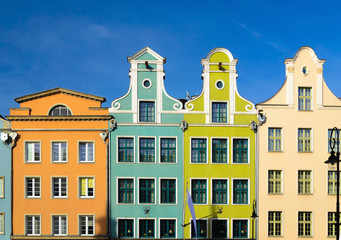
pixel 60 166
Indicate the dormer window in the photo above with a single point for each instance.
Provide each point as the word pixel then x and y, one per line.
pixel 60 110
pixel 304 98
pixel 147 111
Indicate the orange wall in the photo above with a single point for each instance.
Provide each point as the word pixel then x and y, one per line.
pixel 72 206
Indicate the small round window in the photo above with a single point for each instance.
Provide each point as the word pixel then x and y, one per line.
pixel 305 70
pixel 219 84
pixel 147 83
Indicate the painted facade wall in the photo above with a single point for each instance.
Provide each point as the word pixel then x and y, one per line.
pixel 219 120
pixel 59 166
pixel 5 182
pixel 296 194
pixel 146 182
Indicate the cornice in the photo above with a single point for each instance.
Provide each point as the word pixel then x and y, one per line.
pixel 56 91
pixel 61 118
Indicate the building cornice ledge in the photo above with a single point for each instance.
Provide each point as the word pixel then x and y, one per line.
pixel 61 118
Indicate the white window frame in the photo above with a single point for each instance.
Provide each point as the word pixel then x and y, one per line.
pixel 25 151
pixel 117 147
pixel 33 224
pixel 117 226
pixel 219 101
pixel 2 186
pixel 87 187
pixel 227 149
pixel 176 190
pixel 311 140
pixel 33 186
pixel 282 180
pixel 176 149
pixel 138 190
pixel 311 182
pixel 207 227
pixel 117 190
pixel 87 222
pixel 190 149
pixel 138 149
pixel 155 109
pixel 59 224
pixel 59 187
pixel 248 150
pixel 86 155
pixel 138 226
pixel 176 226
pixel 248 192
pixel 228 191
pixel 207 190
pixel 59 151
pixel 248 226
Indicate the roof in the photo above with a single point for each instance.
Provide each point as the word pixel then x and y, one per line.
pixel 56 91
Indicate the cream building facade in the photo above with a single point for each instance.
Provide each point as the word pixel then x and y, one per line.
pixel 297 197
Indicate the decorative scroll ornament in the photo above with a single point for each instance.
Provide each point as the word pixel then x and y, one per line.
pixel 116 105
pixel 177 106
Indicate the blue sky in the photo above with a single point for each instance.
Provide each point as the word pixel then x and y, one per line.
pixel 84 45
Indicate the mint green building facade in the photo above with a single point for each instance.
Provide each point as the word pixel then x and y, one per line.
pixel 146 155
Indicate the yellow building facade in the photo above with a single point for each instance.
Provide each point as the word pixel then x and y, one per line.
pixel 219 153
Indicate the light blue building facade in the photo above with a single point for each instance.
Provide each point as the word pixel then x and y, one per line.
pixel 146 166
pixel 7 140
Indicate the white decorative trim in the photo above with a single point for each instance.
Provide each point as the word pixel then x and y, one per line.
pixel 227 150
pixel 176 149
pixel 138 190
pixel 62 104
pixel 219 80
pixel 207 189
pixel 138 149
pixel 190 150
pixel 147 80
pixel 176 191
pixel 248 150
pixel 248 192
pixel 117 146
pixel 115 105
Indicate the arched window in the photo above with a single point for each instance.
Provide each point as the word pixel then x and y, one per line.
pixel 60 110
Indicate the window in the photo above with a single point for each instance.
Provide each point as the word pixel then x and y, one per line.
pixel 275 182
pixel 32 187
pixel 87 187
pixel 199 191
pixel 201 229
pixel 219 150
pixel 59 187
pixel 32 151
pixel 147 191
pixel 275 224
pixel 2 187
pixel 59 152
pixel 332 180
pixel 126 228
pixel 240 191
pixel 168 191
pixel 147 150
pixel 147 111
pixel 126 191
pixel 304 99
pixel 219 228
pixel 32 225
pixel 86 152
pixel 304 182
pixel 60 110
pixel 240 228
pixel 167 228
pixel 87 225
pixel 219 112
pixel 2 223
pixel 168 150
pixel 304 140
pixel 240 150
pixel 147 228
pixel 331 224
pixel 333 136
pixel 198 150
pixel 126 150
pixel 59 225
pixel 219 191
pixel 275 140
pixel 304 224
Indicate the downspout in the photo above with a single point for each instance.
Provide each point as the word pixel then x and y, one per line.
pixel 104 136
